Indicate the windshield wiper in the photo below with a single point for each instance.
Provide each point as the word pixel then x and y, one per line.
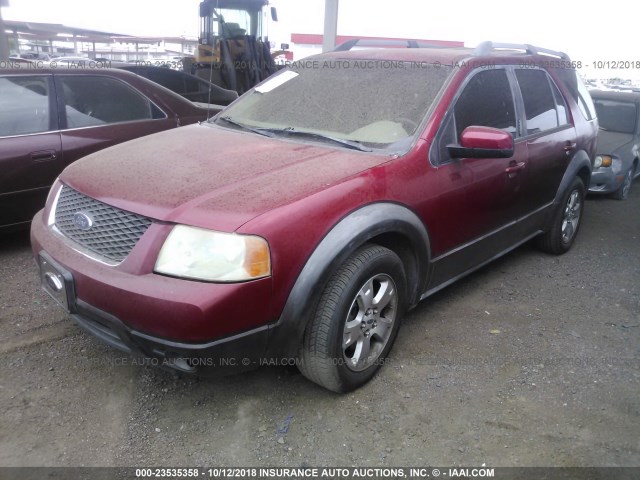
pixel 259 131
pixel 291 131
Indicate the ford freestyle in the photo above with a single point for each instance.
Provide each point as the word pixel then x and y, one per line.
pixel 306 218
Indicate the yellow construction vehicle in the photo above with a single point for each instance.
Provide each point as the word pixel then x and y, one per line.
pixel 233 49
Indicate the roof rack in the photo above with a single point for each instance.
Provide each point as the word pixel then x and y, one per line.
pixel 486 48
pixel 382 43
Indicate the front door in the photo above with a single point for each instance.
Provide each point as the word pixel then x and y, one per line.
pixel 480 196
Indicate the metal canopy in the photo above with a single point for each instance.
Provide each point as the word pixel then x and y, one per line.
pixel 56 31
pixel 32 33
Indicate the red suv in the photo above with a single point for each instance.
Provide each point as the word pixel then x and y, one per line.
pixel 300 224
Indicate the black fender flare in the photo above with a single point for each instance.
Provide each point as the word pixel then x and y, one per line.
pixel 579 166
pixel 377 220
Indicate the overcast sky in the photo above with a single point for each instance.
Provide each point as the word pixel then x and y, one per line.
pixel 587 34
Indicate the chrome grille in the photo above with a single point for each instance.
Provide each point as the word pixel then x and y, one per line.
pixel 113 232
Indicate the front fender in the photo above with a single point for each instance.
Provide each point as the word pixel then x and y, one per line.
pixel 377 223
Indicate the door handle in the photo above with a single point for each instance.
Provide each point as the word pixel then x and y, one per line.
pixel 569 146
pixel 44 156
pixel 515 168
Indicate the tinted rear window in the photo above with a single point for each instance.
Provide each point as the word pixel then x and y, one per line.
pixel 96 100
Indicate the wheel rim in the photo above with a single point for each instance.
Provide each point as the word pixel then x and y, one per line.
pixel 571 216
pixel 626 187
pixel 369 322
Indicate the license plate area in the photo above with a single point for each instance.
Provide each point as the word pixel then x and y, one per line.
pixel 57 282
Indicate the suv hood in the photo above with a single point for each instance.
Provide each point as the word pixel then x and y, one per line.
pixel 210 176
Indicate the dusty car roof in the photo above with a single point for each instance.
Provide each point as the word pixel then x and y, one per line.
pixel 442 55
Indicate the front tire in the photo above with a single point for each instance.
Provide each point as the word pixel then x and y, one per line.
pixel 566 221
pixel 356 320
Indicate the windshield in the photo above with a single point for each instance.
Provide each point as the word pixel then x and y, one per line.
pixel 237 22
pixel 616 116
pixel 375 103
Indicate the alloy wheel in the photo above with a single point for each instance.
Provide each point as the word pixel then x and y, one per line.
pixel 571 216
pixel 369 323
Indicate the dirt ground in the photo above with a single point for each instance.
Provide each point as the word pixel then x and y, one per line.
pixel 532 361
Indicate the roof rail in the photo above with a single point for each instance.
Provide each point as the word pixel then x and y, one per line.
pixel 382 43
pixel 485 48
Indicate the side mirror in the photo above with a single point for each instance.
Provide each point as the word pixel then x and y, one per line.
pixel 274 14
pixel 483 142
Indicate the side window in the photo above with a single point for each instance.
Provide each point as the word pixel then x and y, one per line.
pixel 539 101
pixel 486 101
pixel 96 100
pixel 24 105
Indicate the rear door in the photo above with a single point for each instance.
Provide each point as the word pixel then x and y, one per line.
pixel 98 111
pixel 550 138
pixel 30 145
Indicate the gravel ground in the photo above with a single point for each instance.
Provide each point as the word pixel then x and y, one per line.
pixel 532 361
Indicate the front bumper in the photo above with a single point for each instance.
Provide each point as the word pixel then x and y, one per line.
pixel 190 326
pixel 605 180
pixel 229 355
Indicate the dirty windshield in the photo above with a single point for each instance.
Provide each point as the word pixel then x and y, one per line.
pixel 363 103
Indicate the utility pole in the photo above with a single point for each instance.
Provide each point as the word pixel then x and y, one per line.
pixel 330 25
pixel 4 43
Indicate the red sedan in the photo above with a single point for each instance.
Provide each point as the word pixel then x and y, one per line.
pixel 52 117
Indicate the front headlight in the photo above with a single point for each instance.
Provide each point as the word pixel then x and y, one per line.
pixel 602 161
pixel 200 254
pixel 52 202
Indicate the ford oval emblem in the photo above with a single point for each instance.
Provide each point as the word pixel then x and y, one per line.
pixel 82 220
